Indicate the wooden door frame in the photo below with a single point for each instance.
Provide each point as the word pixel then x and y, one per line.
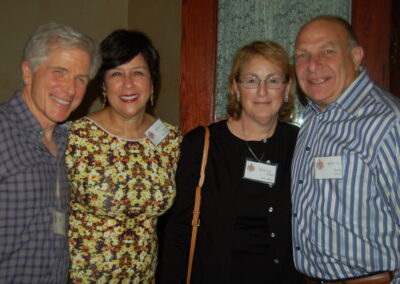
pixel 198 63
pixel 370 19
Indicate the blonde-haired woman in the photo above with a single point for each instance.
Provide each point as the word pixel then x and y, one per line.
pixel 245 230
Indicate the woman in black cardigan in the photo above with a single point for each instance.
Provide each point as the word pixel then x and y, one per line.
pixel 245 231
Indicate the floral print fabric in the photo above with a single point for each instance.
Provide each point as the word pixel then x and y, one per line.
pixel 118 188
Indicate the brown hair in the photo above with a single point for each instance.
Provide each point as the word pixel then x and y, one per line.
pixel 272 52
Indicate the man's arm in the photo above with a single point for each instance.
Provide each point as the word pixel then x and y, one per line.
pixel 388 170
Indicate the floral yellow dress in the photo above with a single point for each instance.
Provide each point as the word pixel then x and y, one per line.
pixel 118 188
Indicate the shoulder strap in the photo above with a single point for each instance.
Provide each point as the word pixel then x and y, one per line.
pixel 197 202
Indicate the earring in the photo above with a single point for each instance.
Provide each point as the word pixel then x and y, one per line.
pixel 285 99
pixel 152 97
pixel 104 95
pixel 238 97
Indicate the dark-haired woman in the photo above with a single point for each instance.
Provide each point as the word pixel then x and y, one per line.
pixel 121 163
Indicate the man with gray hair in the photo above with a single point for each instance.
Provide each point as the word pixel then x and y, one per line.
pixel 34 190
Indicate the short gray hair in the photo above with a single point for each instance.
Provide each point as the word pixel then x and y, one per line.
pixel 38 46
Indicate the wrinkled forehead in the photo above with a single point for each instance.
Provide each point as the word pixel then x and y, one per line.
pixel 321 31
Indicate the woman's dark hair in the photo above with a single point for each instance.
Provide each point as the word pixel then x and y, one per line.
pixel 121 46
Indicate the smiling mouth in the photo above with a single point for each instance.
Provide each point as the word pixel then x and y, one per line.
pixel 129 97
pixel 262 104
pixel 60 101
pixel 318 81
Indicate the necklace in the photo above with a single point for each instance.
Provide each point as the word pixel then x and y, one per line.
pixel 248 146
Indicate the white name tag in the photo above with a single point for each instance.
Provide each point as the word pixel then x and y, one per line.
pixel 156 132
pixel 59 222
pixel 261 172
pixel 328 167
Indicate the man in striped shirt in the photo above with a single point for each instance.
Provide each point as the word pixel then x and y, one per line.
pixel 345 171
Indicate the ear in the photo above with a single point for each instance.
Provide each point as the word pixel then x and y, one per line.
pixel 357 54
pixel 27 73
pixel 235 86
pixel 288 88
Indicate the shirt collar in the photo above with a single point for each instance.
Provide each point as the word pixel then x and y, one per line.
pixel 355 93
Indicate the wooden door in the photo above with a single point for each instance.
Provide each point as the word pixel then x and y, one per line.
pixel 198 62
pixel 376 22
pixel 374 40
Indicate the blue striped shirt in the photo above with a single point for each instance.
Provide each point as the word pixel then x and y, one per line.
pixel 29 250
pixel 349 226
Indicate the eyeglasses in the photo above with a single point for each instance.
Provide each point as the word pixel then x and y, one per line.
pixel 253 82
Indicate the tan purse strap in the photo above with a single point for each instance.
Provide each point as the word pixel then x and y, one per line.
pixel 197 202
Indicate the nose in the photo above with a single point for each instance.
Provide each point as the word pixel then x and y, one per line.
pixel 128 81
pixel 262 88
pixel 313 63
pixel 70 87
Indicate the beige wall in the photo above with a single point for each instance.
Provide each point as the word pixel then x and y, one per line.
pixel 161 20
pixel 97 18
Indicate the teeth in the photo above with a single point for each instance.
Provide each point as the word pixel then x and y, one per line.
pixel 61 101
pixel 128 97
pixel 318 81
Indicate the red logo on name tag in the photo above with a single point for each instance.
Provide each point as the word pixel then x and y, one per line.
pixel 320 165
pixel 150 135
pixel 251 168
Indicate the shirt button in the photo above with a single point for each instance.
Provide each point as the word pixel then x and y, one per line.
pixel 276 261
pixel 300 182
pixel 271 209
pixel 308 148
pixel 273 235
pixel 294 214
pixel 297 248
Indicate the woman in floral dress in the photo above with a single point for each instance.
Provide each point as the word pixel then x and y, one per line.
pixel 121 162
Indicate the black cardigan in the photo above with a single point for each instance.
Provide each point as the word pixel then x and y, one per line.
pixel 217 220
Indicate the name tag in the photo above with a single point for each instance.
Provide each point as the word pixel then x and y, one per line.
pixel 156 132
pixel 260 172
pixel 59 222
pixel 328 167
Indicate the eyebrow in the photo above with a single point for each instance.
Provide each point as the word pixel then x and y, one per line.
pixel 268 75
pixel 67 70
pixel 325 45
pixel 59 67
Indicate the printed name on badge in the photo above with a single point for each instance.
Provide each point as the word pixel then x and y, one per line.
pixel 261 172
pixel 328 167
pixel 156 132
